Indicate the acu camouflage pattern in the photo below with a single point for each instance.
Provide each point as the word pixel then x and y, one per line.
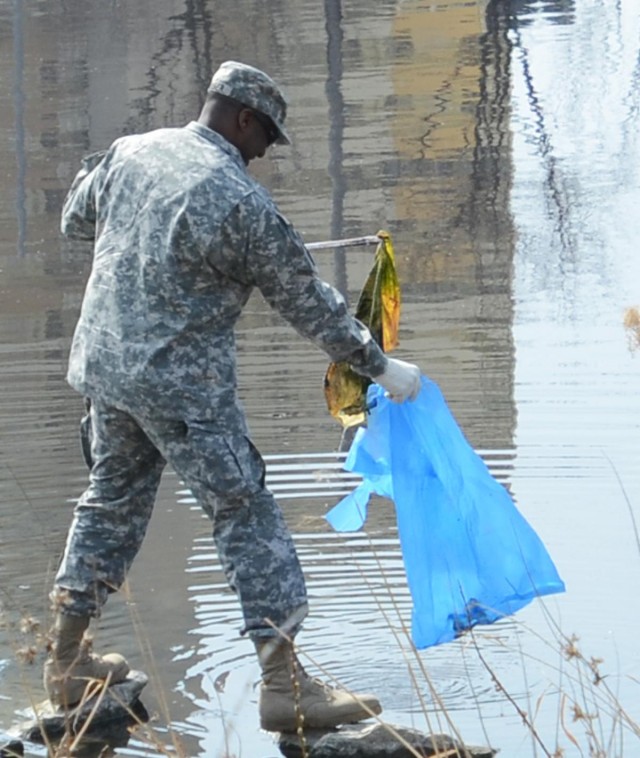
pixel 225 473
pixel 182 234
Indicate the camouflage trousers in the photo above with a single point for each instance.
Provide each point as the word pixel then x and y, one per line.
pixel 225 473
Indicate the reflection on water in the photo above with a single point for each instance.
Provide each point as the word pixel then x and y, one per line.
pixel 497 142
pixel 336 118
pixel 524 12
pixel 18 102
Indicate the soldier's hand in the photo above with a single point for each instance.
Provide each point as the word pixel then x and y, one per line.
pixel 400 380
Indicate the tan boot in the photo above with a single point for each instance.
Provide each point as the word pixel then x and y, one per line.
pixel 71 666
pixel 290 698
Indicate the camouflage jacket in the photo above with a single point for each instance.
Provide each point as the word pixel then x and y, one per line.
pixel 182 234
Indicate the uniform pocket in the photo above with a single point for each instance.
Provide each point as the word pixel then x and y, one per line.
pixel 229 464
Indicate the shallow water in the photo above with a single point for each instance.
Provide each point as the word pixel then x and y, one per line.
pixel 499 146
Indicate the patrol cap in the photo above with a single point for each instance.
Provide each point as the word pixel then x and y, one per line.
pixel 255 89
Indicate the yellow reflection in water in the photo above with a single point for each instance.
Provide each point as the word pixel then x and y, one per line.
pixel 632 326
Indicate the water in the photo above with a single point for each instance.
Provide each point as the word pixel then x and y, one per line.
pixel 499 145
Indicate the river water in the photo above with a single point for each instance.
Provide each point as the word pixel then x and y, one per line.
pixel 498 143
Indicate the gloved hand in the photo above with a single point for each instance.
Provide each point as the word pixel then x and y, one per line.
pixel 401 380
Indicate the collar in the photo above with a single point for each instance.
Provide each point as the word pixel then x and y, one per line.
pixel 216 139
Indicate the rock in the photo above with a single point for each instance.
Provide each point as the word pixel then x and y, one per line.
pixel 117 704
pixel 377 741
pixel 11 748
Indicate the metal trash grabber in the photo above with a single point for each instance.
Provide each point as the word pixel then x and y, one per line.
pixel 370 239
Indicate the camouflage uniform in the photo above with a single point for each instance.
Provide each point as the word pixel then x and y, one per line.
pixel 182 236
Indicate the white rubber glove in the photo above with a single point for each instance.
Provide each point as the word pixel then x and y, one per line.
pixel 401 380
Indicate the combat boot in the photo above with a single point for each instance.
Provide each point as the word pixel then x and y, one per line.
pixel 71 666
pixel 290 698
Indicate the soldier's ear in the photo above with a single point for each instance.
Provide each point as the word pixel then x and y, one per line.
pixel 244 119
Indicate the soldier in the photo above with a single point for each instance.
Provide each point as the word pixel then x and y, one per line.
pixel 182 234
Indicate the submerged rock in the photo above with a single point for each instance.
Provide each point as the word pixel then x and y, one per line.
pixel 377 741
pixel 11 748
pixel 118 704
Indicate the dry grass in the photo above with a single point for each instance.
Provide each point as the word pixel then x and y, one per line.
pixel 590 720
pixel 632 327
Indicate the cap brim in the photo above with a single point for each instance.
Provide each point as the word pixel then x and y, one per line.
pixel 284 138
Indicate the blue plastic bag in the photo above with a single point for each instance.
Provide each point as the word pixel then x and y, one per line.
pixel 470 556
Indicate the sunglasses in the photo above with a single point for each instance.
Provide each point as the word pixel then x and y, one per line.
pixel 268 127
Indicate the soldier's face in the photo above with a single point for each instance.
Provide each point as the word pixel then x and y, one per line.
pixel 257 133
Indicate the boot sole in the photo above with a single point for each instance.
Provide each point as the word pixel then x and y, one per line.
pixel 310 723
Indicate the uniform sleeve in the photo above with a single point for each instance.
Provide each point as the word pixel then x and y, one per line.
pixel 79 209
pixel 279 264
